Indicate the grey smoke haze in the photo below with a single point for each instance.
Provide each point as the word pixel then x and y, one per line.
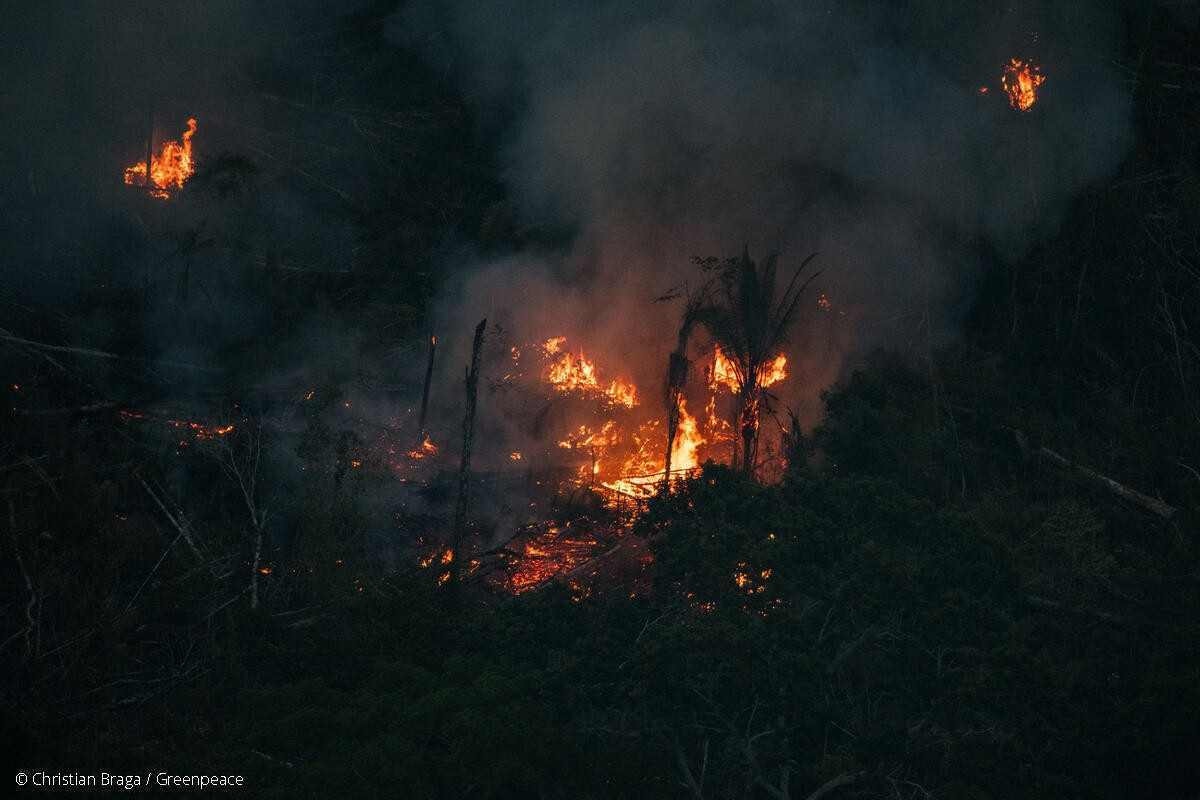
pixel 652 132
pixel 660 131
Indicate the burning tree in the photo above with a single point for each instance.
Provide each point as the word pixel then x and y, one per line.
pixel 1021 80
pixel 166 171
pixel 677 372
pixel 749 320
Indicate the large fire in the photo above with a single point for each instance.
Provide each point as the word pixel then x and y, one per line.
pixel 1021 80
pixel 620 444
pixel 613 449
pixel 169 168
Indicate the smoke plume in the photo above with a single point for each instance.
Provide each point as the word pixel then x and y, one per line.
pixel 654 132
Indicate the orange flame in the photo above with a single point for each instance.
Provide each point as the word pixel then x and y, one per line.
pixel 573 372
pixel 427 448
pixel 774 371
pixel 645 471
pixel 169 168
pixel 622 393
pixel 198 430
pixel 725 372
pixel 584 437
pixel 1021 80
pixel 578 373
pixel 687 441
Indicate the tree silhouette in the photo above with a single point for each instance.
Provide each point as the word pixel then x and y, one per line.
pixel 749 319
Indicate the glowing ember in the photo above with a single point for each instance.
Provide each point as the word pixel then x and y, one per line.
pixel 745 579
pixel 1021 80
pixel 547 556
pixel 823 302
pixel 427 448
pixel 515 455
pixel 169 168
pixel 199 430
pixel 553 345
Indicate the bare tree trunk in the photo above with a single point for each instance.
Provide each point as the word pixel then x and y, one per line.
pixel 1151 504
pixel 425 391
pixel 258 539
pixel 677 374
pixel 179 521
pixel 735 445
pixel 749 425
pixel 464 467
pixel 1147 503
pixel 677 369
pixel 149 148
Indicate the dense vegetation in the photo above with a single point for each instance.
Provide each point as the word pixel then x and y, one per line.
pixel 926 606
pixel 1027 638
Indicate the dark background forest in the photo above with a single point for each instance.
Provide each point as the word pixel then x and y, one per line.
pixel 976 577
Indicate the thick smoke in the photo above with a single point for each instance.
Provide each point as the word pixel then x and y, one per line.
pixel 655 132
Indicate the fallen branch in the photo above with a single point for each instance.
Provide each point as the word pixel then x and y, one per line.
pixel 696 787
pixel 835 783
pixel 1145 502
pixel 7 336
pixel 1151 504
pixel 181 526
pixel 150 574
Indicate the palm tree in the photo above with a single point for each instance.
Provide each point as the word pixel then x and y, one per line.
pixel 750 321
